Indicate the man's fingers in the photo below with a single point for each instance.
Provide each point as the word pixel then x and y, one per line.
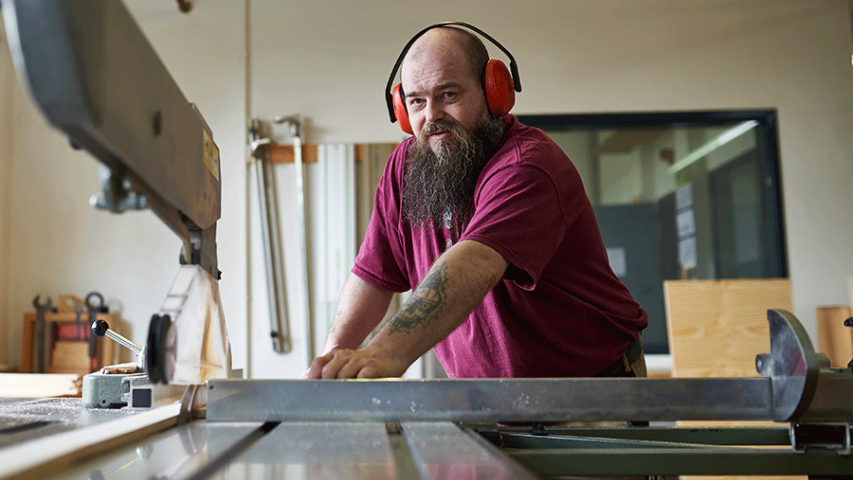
pixel 346 364
pixel 315 371
pixel 353 368
pixel 369 371
pixel 338 361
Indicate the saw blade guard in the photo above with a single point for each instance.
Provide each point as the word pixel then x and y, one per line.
pixel 188 341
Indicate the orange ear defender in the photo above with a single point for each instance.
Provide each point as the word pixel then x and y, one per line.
pixel 499 84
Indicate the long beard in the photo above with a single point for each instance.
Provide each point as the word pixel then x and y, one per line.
pixel 439 185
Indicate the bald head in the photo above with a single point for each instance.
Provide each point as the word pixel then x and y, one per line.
pixel 462 47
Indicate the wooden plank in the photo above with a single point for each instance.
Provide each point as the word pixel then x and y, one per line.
pixel 28 345
pixel 70 357
pixel 38 385
pixel 834 339
pixel 67 303
pixel 376 157
pixel 717 327
pixel 284 153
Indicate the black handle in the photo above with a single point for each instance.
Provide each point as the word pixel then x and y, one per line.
pixel 100 327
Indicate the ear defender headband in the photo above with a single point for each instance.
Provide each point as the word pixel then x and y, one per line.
pixel 499 85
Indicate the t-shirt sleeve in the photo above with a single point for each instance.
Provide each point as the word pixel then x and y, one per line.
pixel 519 212
pixel 380 258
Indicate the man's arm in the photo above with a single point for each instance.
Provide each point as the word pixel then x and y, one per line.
pixel 361 307
pixel 455 284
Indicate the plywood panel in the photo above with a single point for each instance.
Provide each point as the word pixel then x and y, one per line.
pixel 36 385
pixel 834 339
pixel 717 327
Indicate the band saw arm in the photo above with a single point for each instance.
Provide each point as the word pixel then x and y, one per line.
pixel 95 77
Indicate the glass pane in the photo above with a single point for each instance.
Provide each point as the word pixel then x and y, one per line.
pixel 677 199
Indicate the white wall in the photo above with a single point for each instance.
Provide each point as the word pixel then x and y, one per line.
pixel 329 60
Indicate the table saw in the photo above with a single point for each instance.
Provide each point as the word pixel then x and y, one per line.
pixel 97 79
pixel 481 428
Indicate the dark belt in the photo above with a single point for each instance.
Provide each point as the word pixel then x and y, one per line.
pixel 622 367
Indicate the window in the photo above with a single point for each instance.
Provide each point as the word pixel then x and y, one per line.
pixel 693 195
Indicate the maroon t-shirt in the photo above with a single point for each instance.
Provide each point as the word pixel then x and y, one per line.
pixel 559 311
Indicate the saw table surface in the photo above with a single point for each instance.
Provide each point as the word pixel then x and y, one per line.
pixel 23 419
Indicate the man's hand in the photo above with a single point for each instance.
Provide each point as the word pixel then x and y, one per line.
pixel 453 286
pixel 365 363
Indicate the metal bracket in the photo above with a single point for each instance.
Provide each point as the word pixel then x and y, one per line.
pixel 805 388
pixel 117 196
pixel 826 436
pixel 188 400
pixel 131 391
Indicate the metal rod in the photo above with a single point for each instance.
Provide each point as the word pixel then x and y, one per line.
pixel 135 348
pixel 283 317
pixel 274 290
pixel 295 122
pixel 302 227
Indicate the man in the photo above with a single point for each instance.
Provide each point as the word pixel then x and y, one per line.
pixel 486 220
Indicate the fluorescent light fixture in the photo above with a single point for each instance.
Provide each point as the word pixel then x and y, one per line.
pixel 714 144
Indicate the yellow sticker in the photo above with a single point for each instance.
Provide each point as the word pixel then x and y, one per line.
pixel 210 155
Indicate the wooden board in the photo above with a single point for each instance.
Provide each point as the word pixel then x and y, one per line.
pixel 285 153
pixel 717 327
pixel 37 385
pixel 67 303
pixel 834 339
pixel 70 357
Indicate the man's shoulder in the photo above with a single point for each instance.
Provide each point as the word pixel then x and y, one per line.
pixel 397 159
pixel 530 146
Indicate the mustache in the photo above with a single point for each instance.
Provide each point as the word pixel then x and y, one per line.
pixel 443 181
pixel 431 128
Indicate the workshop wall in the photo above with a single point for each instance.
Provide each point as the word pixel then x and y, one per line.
pixel 329 61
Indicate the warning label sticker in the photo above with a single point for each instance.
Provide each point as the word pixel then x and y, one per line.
pixel 210 155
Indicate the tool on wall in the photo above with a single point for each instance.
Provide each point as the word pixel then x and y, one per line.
pixel 259 139
pixel 94 308
pixel 295 123
pixel 41 340
pixel 78 322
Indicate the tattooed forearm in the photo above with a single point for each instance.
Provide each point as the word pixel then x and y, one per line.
pixel 338 314
pixel 426 303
